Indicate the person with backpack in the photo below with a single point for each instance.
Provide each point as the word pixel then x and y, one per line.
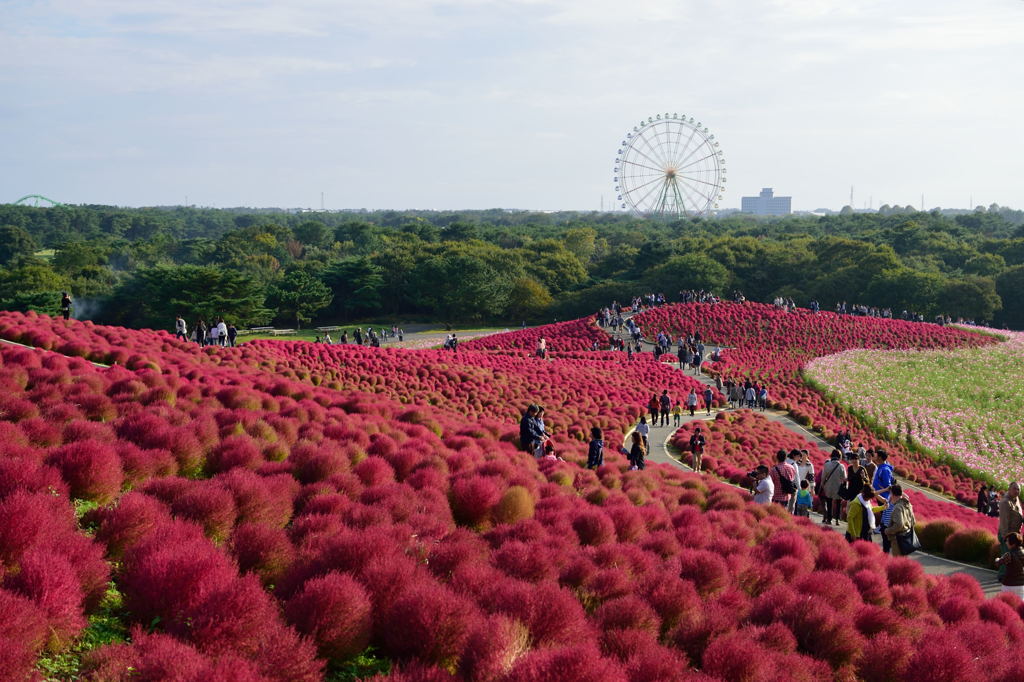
pixel 833 482
pixel 783 479
pixel 1011 566
pixel 666 407
pixel 803 499
pixel 677 414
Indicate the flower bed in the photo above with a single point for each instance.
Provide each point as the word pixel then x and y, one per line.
pixel 263 527
pixel 772 346
pixel 961 404
pixel 561 336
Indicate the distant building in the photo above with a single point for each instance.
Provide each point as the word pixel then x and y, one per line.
pixel 767 203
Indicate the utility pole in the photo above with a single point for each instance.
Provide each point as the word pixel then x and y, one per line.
pixel 851 196
pixel 321 201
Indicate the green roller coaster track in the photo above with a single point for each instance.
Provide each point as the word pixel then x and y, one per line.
pixel 36 198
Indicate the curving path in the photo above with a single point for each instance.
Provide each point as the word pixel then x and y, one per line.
pixel 663 453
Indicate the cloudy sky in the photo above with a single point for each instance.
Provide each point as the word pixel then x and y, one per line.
pixel 504 103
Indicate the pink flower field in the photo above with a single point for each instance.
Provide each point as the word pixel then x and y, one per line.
pixel 291 511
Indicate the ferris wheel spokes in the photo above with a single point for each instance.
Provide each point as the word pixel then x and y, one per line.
pixel 669 166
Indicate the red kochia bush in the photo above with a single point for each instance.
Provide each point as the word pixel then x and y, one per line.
pixel 582 663
pixel 91 469
pixel 49 580
pixel 428 622
pixel 472 499
pixel 262 549
pixel 336 612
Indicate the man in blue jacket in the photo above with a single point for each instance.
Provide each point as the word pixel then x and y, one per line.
pixel 884 477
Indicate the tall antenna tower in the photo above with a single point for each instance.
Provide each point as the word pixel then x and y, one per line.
pixel 851 196
pixel 321 201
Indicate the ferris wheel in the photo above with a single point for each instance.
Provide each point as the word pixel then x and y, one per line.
pixel 669 166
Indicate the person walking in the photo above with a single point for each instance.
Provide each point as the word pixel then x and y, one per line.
pixel 691 401
pixel 709 398
pixel 595 451
pixel 833 480
pixel 898 523
pixel 233 334
pixel 697 443
pixel 201 332
pixel 180 328
pixel 654 407
pixel 222 332
pixel 665 403
pixel 1010 516
pixel 677 414
pixel 644 429
pixel 750 396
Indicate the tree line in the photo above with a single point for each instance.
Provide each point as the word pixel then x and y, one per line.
pixel 141 267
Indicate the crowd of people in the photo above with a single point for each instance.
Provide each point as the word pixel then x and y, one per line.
pixel 862 491
pixel 216 333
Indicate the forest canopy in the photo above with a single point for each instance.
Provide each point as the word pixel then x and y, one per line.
pixel 141 267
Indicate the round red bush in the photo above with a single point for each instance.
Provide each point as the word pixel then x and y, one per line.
pixel 336 612
pixel 91 469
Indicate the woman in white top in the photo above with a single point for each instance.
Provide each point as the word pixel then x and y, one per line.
pixel 643 428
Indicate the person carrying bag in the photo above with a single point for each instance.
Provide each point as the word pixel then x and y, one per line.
pixel 900 530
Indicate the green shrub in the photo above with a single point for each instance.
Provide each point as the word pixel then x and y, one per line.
pixel 934 533
pixel 970 544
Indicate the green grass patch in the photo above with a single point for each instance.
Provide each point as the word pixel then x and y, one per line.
pixel 106 626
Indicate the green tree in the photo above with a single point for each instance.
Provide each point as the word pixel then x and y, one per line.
pixel 32 285
pixel 14 242
pixel 356 284
pixel 459 286
pixel 313 233
pixel 299 296
pixel 528 299
pixel 972 297
pixel 581 242
pixel 687 271
pixel 905 289
pixel 985 264
pixel 1009 286
pixel 152 297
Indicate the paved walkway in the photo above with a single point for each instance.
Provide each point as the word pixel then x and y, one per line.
pixel 663 453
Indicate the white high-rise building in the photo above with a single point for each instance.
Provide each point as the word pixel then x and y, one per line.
pixel 767 203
